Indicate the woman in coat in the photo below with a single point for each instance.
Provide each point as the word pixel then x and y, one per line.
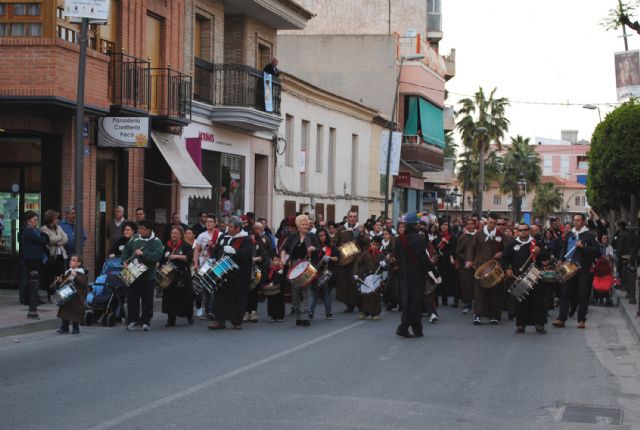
pixel 178 298
pixel 54 265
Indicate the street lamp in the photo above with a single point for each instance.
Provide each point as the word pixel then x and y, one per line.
pixel 593 107
pixel 481 131
pixel 391 123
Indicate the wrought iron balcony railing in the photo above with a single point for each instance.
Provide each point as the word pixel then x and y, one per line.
pixel 233 85
pixel 129 82
pixel 170 93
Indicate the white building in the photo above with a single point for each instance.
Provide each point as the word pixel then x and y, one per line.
pixel 327 155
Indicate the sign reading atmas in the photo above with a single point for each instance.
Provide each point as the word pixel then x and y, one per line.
pixel 123 132
pixel 92 9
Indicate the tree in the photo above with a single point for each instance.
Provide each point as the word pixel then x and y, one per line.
pixel 469 169
pixel 481 112
pixel 622 16
pixel 548 199
pixel 450 146
pixel 521 163
pixel 614 159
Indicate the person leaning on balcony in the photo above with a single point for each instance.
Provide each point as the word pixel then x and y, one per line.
pixel 272 67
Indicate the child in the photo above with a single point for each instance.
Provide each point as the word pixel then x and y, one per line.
pixel 275 303
pixel 73 310
pixel 370 262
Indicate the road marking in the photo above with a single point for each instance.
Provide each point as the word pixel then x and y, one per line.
pixel 206 384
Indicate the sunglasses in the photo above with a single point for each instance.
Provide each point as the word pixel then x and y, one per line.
pixel 523 229
pixel 500 223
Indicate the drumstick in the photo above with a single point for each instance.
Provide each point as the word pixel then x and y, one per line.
pixel 570 251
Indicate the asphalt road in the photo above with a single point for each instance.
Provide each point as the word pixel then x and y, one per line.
pixel 340 374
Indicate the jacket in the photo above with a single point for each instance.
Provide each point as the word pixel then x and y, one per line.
pixel 70 246
pixel 31 241
pixel 57 240
pixel 152 251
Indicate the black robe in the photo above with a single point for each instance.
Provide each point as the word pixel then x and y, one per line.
pixel 532 310
pixel 230 301
pixel 411 257
pixel 178 298
pixel 346 290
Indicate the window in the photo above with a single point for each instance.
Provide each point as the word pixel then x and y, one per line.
pixel 548 165
pixel 203 38
pixel 434 15
pixel 264 55
pixel 3 9
pixel 583 162
pixel 580 201
pixel 354 164
pixel 331 163
pixel 304 155
pixel 26 9
pixel 564 165
pixel 319 147
pixel 4 29
pixel 497 200
pixel 20 19
pixel 288 136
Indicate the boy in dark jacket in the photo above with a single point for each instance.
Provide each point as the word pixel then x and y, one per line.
pixel 146 248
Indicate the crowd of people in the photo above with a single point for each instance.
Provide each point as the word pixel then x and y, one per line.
pixel 415 267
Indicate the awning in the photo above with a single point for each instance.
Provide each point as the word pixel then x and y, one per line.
pixel 411 124
pixel 193 183
pixel 431 123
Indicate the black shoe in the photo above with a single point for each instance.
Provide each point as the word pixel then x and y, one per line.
pixel 520 329
pixel 42 302
pixel 511 317
pixel 62 330
pixel 540 329
pixel 455 304
pixel 348 310
pixel 190 320
pixel 445 303
pixel 404 332
pixel 306 323
pixel 298 322
pixel 389 307
pixel 293 311
pixel 170 324
pixel 76 331
pixel 417 330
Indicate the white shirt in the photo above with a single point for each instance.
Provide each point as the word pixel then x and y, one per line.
pixel 204 241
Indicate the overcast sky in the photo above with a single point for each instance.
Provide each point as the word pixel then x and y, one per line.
pixel 541 51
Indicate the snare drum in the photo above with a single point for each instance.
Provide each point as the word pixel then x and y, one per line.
pixel 371 284
pixel 568 270
pixel 133 271
pixel 348 253
pixel 489 274
pixel 213 275
pixel 256 279
pixel 65 293
pixel 165 274
pixel 525 283
pixel 302 274
pixel 270 289
pixel 200 281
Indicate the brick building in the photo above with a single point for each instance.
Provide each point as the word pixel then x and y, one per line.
pixel 134 69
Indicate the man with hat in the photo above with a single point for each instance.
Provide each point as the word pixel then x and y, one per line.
pixel 411 258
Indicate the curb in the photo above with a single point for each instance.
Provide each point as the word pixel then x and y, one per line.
pixel 51 324
pixel 629 312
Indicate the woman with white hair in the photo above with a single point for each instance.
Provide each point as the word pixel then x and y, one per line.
pixel 298 247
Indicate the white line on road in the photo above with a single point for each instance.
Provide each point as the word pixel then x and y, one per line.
pixel 208 383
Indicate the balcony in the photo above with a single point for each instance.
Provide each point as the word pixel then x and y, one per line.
pixel 233 94
pixel 277 14
pixel 170 98
pixel 421 156
pixel 450 62
pixel 129 85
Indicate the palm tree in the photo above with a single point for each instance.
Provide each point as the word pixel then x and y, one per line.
pixel 482 123
pixel 449 146
pixel 469 169
pixel 521 163
pixel 547 200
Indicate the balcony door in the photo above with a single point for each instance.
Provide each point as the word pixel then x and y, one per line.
pixel 153 52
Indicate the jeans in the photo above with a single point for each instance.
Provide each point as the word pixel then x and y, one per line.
pixel 326 294
pixel 140 297
pixel 300 301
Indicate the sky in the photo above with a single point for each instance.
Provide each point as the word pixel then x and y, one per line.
pixel 552 51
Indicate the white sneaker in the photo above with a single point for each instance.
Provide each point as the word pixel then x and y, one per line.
pixel 254 316
pixel 133 327
pixel 199 312
pixel 434 318
pixel 465 311
pixel 145 327
pixel 245 318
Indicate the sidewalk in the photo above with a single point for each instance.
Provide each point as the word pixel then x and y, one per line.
pixel 630 313
pixel 13 315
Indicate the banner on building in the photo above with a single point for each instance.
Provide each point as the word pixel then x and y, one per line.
pixel 97 10
pixel 627 74
pixel 123 132
pixel 268 95
pixel 302 162
pixel 396 142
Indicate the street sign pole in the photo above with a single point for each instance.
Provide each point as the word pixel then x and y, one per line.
pixel 79 149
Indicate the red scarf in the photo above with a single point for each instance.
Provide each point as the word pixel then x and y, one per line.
pixel 444 239
pixel 532 245
pixel 173 248
pixel 374 251
pixel 273 270
pixel 214 240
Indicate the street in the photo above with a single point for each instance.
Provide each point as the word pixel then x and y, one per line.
pixel 337 374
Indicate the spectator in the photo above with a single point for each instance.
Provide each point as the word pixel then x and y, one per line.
pixel 68 225
pixel 201 225
pixel 55 258
pixel 114 229
pixel 175 220
pixel 31 247
pixel 140 215
pixel 129 229
pixel 272 67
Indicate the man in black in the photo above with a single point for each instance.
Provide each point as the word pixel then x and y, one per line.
pixel 581 247
pixel 272 67
pixel 517 257
pixel 201 224
pixel 411 257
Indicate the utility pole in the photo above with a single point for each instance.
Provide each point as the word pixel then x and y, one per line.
pixel 79 149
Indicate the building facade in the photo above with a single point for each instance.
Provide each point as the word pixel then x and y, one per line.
pixel 327 160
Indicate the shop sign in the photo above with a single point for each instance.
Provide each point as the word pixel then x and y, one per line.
pixel 396 143
pixel 123 132
pixel 403 180
pixel 207 137
pixel 92 9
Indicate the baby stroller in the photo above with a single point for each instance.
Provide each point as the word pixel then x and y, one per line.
pixel 602 291
pixel 105 300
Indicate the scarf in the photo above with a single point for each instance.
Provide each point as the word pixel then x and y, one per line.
pixel 444 240
pixel 489 235
pixel 172 247
pixel 355 227
pixel 374 252
pixel 273 270
pixel 146 239
pixel 470 233
pixel 529 239
pixel 582 230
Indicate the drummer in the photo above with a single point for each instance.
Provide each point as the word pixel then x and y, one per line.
pixel 73 310
pixel 346 289
pixel 517 257
pixel 369 262
pixel 486 245
pixel 177 299
pixel 298 247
